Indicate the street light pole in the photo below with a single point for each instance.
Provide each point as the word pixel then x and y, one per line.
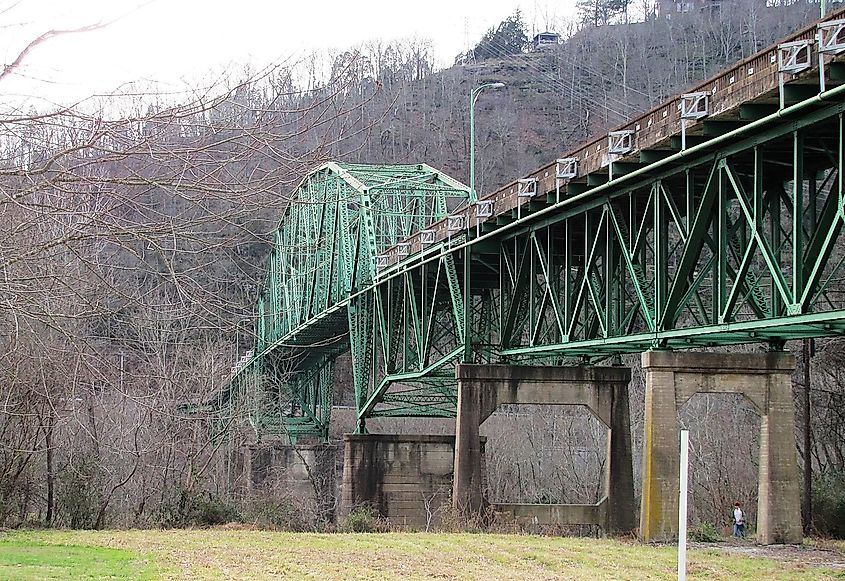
pixel 473 198
pixel 473 97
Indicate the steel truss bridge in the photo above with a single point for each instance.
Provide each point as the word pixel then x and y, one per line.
pixel 713 219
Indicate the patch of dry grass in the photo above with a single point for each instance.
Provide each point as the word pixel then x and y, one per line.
pixel 254 555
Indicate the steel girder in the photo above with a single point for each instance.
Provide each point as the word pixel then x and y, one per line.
pixel 318 299
pixel 737 244
pixel 736 239
pixel 417 333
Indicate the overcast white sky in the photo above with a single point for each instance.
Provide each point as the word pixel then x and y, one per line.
pixel 171 40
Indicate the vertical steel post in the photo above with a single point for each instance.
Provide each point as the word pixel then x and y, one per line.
pixel 472 95
pixel 723 242
pixel 682 507
pixel 661 247
pixel 797 218
pixel 467 296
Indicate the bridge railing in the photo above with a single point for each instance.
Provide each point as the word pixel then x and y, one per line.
pixel 758 77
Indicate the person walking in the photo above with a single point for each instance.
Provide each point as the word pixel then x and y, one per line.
pixel 739 521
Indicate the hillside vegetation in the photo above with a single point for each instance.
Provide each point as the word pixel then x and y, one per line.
pixel 132 249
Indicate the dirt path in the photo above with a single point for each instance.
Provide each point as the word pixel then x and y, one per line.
pixel 818 555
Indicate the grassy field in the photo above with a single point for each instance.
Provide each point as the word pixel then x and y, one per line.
pixel 247 554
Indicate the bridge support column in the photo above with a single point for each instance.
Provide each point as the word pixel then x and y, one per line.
pixel 765 379
pixel 603 390
pixel 304 473
pixel 404 478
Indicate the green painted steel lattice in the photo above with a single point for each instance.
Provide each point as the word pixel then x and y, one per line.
pixel 319 297
pixel 734 240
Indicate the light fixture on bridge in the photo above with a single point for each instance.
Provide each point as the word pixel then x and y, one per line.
pixel 484 209
pixel 473 97
pixel 831 40
pixel 831 36
pixel 403 249
pixel 620 142
pixel 427 236
pixel 382 260
pixel 455 223
pixel 693 105
pixel 566 168
pixel 793 57
pixel 527 187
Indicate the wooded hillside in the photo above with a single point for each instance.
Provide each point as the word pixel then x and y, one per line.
pixel 132 248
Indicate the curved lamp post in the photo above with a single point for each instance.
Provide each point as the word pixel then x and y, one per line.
pixel 473 97
pixel 473 198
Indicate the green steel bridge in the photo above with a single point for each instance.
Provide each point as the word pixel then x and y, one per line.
pixel 713 219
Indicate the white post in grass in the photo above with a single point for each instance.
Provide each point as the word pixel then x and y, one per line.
pixel 682 508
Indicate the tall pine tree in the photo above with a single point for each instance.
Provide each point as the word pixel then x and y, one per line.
pixel 507 38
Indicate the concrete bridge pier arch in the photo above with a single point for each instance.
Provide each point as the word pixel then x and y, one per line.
pixel 765 379
pixel 602 390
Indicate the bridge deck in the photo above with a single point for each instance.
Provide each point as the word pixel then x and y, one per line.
pixel 632 241
pixel 755 80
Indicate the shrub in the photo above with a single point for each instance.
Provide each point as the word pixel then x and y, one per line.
pixel 829 505
pixel 456 521
pixel 361 519
pixel 283 514
pixel 79 492
pixel 704 533
pixel 197 508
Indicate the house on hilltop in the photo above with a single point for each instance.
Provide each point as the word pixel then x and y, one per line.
pixel 545 39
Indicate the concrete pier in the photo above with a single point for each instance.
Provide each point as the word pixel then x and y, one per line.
pixel 602 390
pixel 404 478
pixel 305 473
pixel 765 379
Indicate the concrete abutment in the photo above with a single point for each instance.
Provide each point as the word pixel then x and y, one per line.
pixel 602 390
pixel 404 478
pixel 303 473
pixel 672 378
pixel 414 479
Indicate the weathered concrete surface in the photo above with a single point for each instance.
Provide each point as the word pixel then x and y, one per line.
pixel 603 390
pixel 765 379
pixel 305 472
pixel 553 514
pixel 621 511
pixel 405 478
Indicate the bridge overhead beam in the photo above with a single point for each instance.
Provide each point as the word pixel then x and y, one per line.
pixel 602 390
pixel 766 380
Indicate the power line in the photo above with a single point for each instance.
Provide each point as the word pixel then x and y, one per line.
pixel 576 90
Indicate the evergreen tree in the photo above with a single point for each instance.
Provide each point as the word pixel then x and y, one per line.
pixel 507 38
pixel 599 12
